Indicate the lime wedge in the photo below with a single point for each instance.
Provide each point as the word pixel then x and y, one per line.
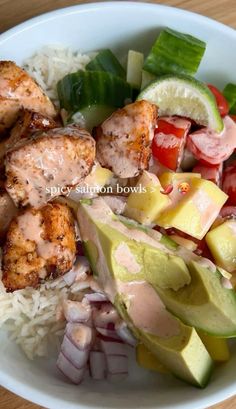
pixel 184 96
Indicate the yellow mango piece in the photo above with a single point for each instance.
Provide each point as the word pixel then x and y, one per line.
pixel 195 204
pixel 171 178
pixel 147 360
pixel 222 244
pixel 147 202
pixel 99 176
pixel 217 347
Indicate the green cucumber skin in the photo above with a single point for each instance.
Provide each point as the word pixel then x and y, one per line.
pixel 229 93
pixel 175 53
pixel 83 89
pixel 105 60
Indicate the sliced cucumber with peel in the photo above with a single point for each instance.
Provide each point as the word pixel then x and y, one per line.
pixel 175 53
pixel 92 116
pixel 93 94
pixel 184 96
pixel 134 68
pixel 105 60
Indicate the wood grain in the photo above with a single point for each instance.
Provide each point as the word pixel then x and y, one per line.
pixel 16 11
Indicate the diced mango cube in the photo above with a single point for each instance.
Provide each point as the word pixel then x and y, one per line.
pixel 147 360
pixel 222 243
pixel 147 202
pixel 171 178
pixel 99 176
pixel 217 347
pixel 195 204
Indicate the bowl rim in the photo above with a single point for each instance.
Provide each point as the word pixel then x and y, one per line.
pixel 30 392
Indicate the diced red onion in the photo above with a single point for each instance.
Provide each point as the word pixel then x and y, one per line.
pixel 96 297
pixel 80 335
pixel 69 370
pixel 98 367
pixel 108 333
pixel 76 356
pixel 105 316
pixel 117 364
pixel 110 347
pixel 78 272
pixel 125 334
pixel 75 311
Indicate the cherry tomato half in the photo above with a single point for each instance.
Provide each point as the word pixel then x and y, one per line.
pixel 222 103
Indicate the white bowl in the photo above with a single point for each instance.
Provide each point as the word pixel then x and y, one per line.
pixel 119 26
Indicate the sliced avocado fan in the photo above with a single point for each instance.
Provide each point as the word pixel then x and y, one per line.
pixel 120 258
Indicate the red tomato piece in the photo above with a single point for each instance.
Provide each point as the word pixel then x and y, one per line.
pixel 169 141
pixel 229 183
pixel 233 117
pixel 211 147
pixel 212 173
pixel 221 101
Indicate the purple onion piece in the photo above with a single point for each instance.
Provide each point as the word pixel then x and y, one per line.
pixel 98 367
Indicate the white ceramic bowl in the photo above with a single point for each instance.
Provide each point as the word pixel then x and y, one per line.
pixel 119 26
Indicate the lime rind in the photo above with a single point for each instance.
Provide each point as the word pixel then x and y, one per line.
pixel 184 96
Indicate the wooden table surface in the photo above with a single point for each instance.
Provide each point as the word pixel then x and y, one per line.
pixel 16 11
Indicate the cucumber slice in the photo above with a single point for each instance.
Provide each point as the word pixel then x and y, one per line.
pixel 86 89
pixel 147 78
pixel 230 94
pixel 92 116
pixel 134 68
pixel 175 53
pixel 184 96
pixel 105 60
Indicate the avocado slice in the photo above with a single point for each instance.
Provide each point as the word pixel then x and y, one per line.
pixel 205 303
pixel 119 258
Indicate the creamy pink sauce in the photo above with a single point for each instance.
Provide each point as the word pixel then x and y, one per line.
pixel 177 122
pixel 88 233
pixel 31 228
pixel 126 259
pixel 147 311
pixel 166 141
pixel 103 214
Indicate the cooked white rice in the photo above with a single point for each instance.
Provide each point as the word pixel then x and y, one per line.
pixel 52 63
pixel 30 315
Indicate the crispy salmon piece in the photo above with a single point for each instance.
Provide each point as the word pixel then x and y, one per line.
pixel 17 90
pixel 40 167
pixel 124 139
pixel 39 243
